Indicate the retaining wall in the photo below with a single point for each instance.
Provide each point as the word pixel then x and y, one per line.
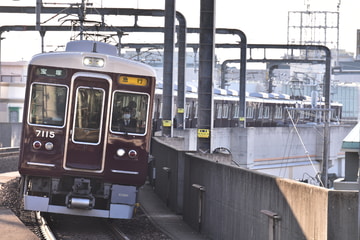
pixel 224 201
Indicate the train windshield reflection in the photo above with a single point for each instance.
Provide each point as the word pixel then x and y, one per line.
pixel 129 113
pixel 88 115
pixel 48 104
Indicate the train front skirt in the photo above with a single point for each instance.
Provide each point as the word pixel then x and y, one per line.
pixel 120 204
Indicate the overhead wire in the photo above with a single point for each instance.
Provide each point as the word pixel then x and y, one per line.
pixel 305 149
pixel 286 153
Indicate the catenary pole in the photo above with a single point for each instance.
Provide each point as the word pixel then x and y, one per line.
pixel 205 81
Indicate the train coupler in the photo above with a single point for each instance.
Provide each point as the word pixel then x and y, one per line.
pixel 81 196
pixel 80 202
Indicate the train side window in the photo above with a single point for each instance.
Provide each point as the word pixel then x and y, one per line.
pixel 225 112
pixel 266 113
pixel 218 110
pixel 129 112
pixel 278 112
pixel 292 113
pixel 302 114
pixel 160 109
pixel 187 110
pixel 334 113
pixel 196 110
pixel 261 110
pixel 48 104
pixel 307 114
pixel 250 112
pixel 236 111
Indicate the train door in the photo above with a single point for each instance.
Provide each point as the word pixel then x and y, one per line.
pixel 87 124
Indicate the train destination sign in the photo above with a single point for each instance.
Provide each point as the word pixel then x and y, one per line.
pixel 51 72
pixel 136 81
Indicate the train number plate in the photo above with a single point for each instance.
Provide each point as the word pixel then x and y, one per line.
pixel 45 134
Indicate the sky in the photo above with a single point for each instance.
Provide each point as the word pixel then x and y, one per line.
pixel 263 22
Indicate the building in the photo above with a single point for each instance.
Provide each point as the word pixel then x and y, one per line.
pixel 12 90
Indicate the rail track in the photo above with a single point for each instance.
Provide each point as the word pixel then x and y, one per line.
pixel 65 227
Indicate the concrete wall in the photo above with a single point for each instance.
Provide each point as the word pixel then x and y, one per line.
pixel 262 148
pixel 278 150
pixel 236 203
pixel 343 215
pixel 10 134
pixel 169 165
pixel 234 199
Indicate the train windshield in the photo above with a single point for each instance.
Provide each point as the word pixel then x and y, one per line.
pixel 88 115
pixel 48 104
pixel 129 113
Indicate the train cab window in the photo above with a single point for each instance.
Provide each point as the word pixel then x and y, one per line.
pixel 88 115
pixel 129 112
pixel 48 104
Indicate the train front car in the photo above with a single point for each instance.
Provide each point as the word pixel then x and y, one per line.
pixel 86 131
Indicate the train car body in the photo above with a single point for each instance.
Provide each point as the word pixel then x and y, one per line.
pixel 261 110
pixel 78 155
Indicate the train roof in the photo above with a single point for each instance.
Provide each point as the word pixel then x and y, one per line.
pixel 75 53
pixel 259 97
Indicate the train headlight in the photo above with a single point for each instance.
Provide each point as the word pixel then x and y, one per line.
pixel 37 145
pixel 120 152
pixel 132 153
pixel 94 62
pixel 49 146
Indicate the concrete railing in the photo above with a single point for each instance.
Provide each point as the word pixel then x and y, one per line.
pixel 224 201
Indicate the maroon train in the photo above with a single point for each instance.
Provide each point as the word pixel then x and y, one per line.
pixel 86 131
